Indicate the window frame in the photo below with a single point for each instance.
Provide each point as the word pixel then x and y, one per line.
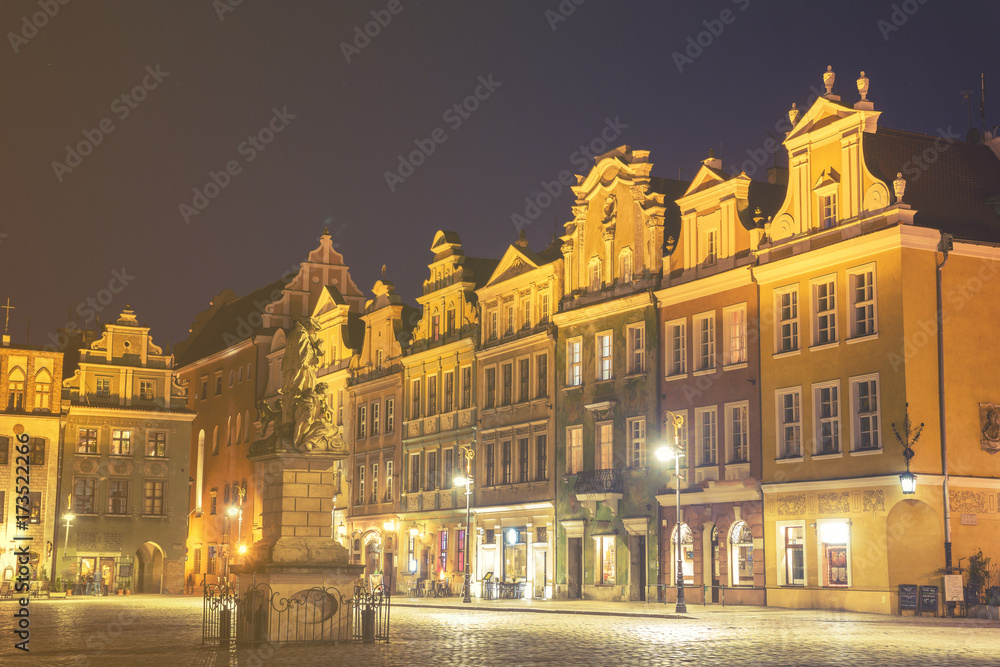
pixel 80 440
pixel 676 351
pixel 636 348
pixel 744 407
pixel 117 440
pixel 636 430
pixel 712 435
pixel 856 416
pixel 819 420
pixel 792 321
pixel 604 445
pixel 853 302
pixel 781 453
pixel 784 565
pixel 830 313
pixel 150 503
pixel 604 356
pixel 574 361
pixel 574 449
pixel 111 499
pixel 823 556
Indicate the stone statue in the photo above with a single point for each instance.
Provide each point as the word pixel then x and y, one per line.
pixel 899 185
pixel 863 87
pixel 298 366
pixel 829 77
pixel 793 114
pixel 314 427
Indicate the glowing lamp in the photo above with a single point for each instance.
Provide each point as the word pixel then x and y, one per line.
pixel 242 549
pixel 389 526
pixel 909 482
pixel 233 511
pixel 461 480
pixel 341 529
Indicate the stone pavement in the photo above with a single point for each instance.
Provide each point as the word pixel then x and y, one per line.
pixel 163 630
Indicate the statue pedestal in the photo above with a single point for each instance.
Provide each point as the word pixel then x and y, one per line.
pixel 298 579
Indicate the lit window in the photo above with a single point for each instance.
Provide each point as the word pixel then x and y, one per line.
pixel 866 413
pixel 789 424
pixel 152 498
pixel 825 316
pixel 375 497
pixel 121 442
pixel 526 313
pixel 636 348
pixel 360 498
pixel 637 442
pixel 362 421
pixel 736 333
pixel 574 363
pixel 390 414
pixel 543 308
pixel 605 446
pixel 375 417
pixel 156 444
pixel 834 545
pixel 574 449
pixel 741 554
pixel 103 387
pixel 87 444
pixel 706 425
pixel 827 407
pixel 863 311
pixel 676 347
pixel 788 319
pixel 509 317
pixel 606 549
pixel 739 444
pixel 705 328
pixel 604 356
pixel 388 481
pixel 493 328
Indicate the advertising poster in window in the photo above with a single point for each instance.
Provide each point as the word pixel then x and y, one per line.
pixel 836 565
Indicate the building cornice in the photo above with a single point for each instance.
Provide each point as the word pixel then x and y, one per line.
pixel 710 286
pixel 221 354
pixel 603 309
pixel 129 413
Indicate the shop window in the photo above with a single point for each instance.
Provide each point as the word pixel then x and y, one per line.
pixel 687 555
pixel 87 444
pixel 834 547
pixel 606 558
pixel 741 554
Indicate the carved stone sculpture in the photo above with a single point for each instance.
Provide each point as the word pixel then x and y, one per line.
pixel 829 76
pixel 863 87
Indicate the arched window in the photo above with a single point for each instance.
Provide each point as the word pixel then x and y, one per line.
pixel 43 389
pixel 625 266
pixel 239 428
pixel 741 554
pixel 596 281
pixel 15 388
pixel 215 440
pixel 229 430
pixel 687 554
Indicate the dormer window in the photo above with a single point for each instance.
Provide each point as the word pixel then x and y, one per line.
pixel 595 275
pixel 828 205
pixel 711 247
pixel 625 266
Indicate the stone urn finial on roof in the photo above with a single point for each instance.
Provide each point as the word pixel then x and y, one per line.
pixel 793 114
pixel 899 185
pixel 829 76
pixel 863 86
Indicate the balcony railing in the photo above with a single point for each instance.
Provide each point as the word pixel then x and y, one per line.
pixel 600 481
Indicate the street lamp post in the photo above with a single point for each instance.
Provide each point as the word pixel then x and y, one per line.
pixel 663 454
pixel 467 482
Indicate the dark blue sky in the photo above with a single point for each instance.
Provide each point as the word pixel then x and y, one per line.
pixel 69 227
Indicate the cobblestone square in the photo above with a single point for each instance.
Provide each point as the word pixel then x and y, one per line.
pixel 147 630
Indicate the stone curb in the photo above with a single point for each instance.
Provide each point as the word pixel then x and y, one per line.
pixel 543 611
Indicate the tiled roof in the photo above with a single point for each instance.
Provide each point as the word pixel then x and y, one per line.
pixel 949 194
pixel 217 335
pixel 673 190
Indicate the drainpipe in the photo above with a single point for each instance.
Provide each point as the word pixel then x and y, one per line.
pixel 943 247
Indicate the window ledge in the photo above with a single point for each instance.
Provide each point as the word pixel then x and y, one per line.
pixel 571 387
pixel 735 367
pixel 92 454
pixel 599 381
pixel 866 452
pixel 824 346
pixel 633 376
pixel 823 457
pixel 154 516
pixel 793 459
pixel 862 339
pixel 789 353
pixel 679 376
pixel 121 456
pixel 706 371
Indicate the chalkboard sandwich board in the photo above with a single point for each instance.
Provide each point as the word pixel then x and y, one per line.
pixel 907 597
pixel 929 599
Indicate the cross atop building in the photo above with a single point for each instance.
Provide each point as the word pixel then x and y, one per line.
pixel 6 320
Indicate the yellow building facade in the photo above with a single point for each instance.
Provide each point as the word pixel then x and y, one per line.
pixel 849 345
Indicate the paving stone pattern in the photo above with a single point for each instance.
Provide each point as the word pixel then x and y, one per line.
pixel 153 630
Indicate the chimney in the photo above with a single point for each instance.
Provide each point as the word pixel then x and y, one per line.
pixel 777 175
pixel 6 340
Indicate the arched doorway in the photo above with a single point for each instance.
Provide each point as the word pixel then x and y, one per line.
pixel 149 574
pixel 372 541
pixel 914 544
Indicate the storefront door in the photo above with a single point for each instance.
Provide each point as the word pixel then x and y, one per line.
pixel 541 559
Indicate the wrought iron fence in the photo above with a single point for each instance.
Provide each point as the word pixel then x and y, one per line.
pixel 259 615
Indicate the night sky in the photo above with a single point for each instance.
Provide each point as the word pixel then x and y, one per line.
pixel 218 73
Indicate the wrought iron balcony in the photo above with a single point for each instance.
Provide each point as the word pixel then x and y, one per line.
pixel 599 482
